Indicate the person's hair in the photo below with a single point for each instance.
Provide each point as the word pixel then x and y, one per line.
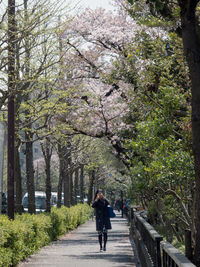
pixel 95 195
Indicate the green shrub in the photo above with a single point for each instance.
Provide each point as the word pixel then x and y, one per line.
pixel 5 257
pixel 28 233
pixel 57 219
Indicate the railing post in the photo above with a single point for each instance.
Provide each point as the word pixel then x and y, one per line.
pixel 131 213
pixel 173 257
pixel 188 244
pixel 152 250
pixel 158 252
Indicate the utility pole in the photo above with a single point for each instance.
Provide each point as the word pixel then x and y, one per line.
pixel 11 105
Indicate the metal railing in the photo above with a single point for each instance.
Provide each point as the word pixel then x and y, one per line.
pixel 150 238
pixel 161 254
pixel 172 257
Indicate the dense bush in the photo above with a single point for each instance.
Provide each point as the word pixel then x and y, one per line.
pixel 28 233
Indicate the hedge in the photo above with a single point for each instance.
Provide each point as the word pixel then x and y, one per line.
pixel 28 233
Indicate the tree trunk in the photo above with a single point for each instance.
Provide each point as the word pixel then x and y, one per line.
pixel 2 154
pixel 71 195
pixel 61 175
pixel 18 201
pixel 30 173
pixel 59 193
pixel 67 195
pixel 76 176
pixel 28 133
pixel 67 198
pixel 48 184
pixel 47 153
pixel 82 193
pixel 192 52
pixel 91 184
pixel 11 104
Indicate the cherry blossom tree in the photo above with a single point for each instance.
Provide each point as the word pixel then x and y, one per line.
pixel 95 41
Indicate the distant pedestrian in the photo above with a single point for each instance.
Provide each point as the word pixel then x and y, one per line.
pixel 118 204
pixel 102 217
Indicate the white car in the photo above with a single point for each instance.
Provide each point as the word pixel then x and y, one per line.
pixel 40 202
pixel 54 198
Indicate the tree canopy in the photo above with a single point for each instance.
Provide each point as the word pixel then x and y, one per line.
pixel 111 94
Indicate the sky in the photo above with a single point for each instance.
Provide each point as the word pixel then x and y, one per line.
pixel 96 3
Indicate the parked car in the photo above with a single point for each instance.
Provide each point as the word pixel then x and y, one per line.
pixel 40 202
pixel 54 198
pixel 85 200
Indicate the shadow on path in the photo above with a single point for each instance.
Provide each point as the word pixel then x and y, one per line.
pixel 80 248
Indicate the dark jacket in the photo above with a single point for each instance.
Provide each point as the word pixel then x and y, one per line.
pixel 102 215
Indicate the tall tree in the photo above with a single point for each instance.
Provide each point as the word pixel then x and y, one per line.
pixel 82 191
pixel 91 185
pixel 191 44
pixel 61 173
pixel 76 184
pixel 47 153
pixel 184 13
pixel 28 132
pixel 67 175
pixel 18 178
pixel 37 60
pixel 11 103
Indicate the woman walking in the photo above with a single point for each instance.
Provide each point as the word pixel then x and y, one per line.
pixel 102 217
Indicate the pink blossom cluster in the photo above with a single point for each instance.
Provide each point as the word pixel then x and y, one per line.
pixel 94 40
pixel 98 26
pixel 95 112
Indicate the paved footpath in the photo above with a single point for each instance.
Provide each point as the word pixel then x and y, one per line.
pixel 80 248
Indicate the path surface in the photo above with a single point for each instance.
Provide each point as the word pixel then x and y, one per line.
pixel 80 248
